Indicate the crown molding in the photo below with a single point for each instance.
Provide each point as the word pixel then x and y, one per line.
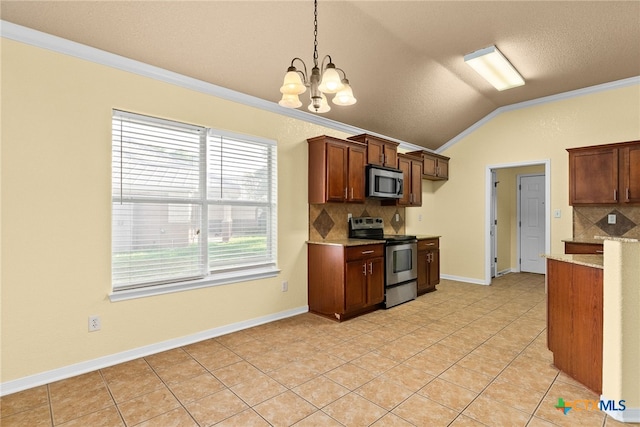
pixel 631 81
pixel 60 45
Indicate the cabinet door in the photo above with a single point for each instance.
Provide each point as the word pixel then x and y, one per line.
pixel 336 172
pixel 355 293
pixel 375 153
pixel 375 284
pixel 630 174
pixel 423 271
pixel 404 165
pixel 357 156
pixel 434 269
pixel 390 155
pixel 593 176
pixel 443 169
pixel 416 183
pixel 429 165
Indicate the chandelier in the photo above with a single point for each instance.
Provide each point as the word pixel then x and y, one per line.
pixel 296 81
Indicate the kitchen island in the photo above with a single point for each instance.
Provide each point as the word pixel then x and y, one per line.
pixel 574 316
pixel 593 304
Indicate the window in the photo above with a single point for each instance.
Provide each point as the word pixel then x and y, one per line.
pixel 191 206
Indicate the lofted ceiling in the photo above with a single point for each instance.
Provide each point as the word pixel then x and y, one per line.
pixel 404 59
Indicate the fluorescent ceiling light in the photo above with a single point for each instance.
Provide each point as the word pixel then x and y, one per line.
pixel 491 64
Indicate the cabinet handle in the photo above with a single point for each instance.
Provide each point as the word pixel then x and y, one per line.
pixel 627 194
pixel 598 251
pixel 367 252
pixel 615 195
pixel 352 192
pixel 345 192
pixel 364 268
pixel 371 267
pixel 382 159
pixel 431 244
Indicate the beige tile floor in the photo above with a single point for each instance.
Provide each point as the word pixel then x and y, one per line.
pixel 466 355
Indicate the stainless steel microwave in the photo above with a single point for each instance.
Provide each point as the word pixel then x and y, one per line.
pixel 384 183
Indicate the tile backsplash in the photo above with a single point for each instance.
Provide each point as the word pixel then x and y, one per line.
pixel 590 221
pixel 329 221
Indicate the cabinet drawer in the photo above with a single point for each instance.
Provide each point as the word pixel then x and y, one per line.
pixel 427 244
pixel 583 248
pixel 366 251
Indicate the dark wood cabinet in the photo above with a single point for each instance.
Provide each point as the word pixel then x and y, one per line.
pixel 605 174
pixel 336 170
pixel 435 167
pixel 583 248
pixel 630 172
pixel 574 320
pixel 411 168
pixel 345 282
pixel 380 151
pixel 428 265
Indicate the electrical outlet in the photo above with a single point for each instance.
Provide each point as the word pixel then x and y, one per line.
pixel 420 217
pixel 94 323
pixel 285 286
pixel 349 216
pixel 397 217
pixel 611 218
pixel 557 213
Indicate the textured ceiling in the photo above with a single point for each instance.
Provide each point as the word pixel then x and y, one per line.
pixel 403 58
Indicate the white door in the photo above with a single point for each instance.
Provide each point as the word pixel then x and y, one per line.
pixel 532 223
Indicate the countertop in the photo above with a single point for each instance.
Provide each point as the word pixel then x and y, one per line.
pixel 345 242
pixel 358 242
pixel 595 261
pixel 599 240
pixel 421 237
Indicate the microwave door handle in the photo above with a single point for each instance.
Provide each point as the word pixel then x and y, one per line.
pixel 400 186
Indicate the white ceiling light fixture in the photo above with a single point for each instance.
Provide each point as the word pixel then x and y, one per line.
pixel 296 82
pixel 491 64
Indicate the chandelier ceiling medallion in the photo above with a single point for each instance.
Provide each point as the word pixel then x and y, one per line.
pixel 296 81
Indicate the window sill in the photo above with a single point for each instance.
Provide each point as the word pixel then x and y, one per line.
pixel 214 280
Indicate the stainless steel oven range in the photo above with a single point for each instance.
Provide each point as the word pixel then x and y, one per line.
pixel 401 256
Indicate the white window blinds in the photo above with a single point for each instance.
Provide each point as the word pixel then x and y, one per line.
pixel 189 203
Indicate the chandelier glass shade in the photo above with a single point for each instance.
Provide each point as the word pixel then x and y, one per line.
pixel 296 82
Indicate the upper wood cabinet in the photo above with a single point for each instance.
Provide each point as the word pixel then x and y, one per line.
pixel 605 174
pixel 411 168
pixel 336 170
pixel 380 151
pixel 434 166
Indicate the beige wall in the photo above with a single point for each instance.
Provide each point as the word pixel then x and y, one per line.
pixel 56 210
pixel 455 209
pixel 55 178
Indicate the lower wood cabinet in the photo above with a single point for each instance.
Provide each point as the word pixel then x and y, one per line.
pixel 574 320
pixel 345 281
pixel 428 265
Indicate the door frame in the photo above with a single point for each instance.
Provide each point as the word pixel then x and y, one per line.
pixel 489 201
pixel 519 218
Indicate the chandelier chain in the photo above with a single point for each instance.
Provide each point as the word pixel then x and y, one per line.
pixel 315 33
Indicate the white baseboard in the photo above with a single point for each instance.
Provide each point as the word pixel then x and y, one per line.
pixel 47 377
pixel 503 272
pixel 629 415
pixel 463 279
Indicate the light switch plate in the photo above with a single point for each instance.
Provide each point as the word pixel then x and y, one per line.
pixel 557 213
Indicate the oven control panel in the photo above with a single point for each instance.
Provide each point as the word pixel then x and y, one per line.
pixel 366 222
